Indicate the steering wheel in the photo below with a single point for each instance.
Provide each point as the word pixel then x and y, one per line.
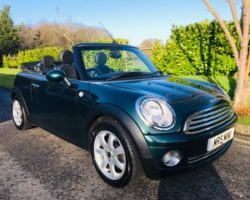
pixel 93 72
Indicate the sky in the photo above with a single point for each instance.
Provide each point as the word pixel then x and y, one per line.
pixel 135 20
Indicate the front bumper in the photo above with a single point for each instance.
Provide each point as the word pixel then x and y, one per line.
pixel 193 148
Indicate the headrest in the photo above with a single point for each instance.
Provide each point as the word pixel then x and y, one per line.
pixel 48 61
pixel 66 57
pixel 100 58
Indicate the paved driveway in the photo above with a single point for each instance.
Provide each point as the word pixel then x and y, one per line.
pixel 35 164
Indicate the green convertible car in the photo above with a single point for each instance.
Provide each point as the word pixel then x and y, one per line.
pixel 111 100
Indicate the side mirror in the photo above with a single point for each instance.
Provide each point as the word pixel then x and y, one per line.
pixel 57 75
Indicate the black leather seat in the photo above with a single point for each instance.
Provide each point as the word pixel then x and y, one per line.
pixel 100 60
pixel 66 57
pixel 47 64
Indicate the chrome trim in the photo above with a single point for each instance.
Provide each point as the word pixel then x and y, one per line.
pixel 210 113
pixel 35 85
pixel 211 122
pixel 211 127
pixel 209 118
pixel 160 101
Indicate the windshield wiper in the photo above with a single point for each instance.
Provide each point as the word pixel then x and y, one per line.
pixel 128 74
pixel 156 73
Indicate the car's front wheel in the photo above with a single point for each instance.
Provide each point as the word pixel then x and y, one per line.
pixel 113 153
pixel 19 115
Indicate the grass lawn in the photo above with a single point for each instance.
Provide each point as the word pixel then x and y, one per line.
pixel 7 77
pixel 244 120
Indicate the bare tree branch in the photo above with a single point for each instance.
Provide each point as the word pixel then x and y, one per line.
pixel 235 17
pixel 225 29
pixel 245 32
pixel 63 31
pixel 242 57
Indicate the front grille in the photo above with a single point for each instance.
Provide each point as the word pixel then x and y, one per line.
pixel 209 118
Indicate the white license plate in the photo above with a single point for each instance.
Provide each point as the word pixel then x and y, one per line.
pixel 220 139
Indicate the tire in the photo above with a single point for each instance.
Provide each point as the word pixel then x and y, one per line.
pixel 113 153
pixel 19 115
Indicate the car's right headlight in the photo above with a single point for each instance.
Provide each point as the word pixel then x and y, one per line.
pixel 155 112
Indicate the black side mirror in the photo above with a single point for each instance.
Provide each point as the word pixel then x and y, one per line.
pixel 57 75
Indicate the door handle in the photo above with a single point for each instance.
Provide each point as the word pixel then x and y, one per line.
pixel 35 85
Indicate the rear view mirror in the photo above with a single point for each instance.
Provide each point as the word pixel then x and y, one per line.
pixel 115 54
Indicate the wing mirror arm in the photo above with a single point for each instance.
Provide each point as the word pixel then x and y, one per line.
pixel 67 82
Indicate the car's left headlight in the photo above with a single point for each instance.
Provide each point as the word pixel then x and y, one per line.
pixel 155 112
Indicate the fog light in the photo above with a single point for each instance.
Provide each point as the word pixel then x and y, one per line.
pixel 172 158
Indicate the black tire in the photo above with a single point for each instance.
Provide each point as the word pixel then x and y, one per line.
pixel 25 123
pixel 133 170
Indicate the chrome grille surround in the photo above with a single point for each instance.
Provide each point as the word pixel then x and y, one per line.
pixel 209 118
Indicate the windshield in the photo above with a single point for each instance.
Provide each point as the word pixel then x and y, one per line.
pixel 116 62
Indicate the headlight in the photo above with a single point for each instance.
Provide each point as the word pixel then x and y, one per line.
pixel 155 112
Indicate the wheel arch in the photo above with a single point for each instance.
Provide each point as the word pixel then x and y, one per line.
pixel 16 93
pixel 134 132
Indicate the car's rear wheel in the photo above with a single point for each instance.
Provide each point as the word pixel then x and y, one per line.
pixel 113 153
pixel 19 115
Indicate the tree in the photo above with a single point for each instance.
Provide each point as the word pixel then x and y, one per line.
pixel 197 49
pixel 9 39
pixel 63 35
pixel 241 54
pixel 26 35
pixel 147 46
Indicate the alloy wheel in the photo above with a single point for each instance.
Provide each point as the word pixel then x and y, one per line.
pixel 17 113
pixel 109 155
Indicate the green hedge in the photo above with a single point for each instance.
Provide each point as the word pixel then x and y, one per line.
pixel 196 49
pixel 30 56
pixel 37 54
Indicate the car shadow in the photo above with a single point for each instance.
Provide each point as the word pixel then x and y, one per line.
pixel 5 105
pixel 202 183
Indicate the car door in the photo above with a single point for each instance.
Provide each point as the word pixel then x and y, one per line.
pixel 54 106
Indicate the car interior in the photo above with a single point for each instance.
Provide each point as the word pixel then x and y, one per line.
pixel 100 67
pixel 66 64
pixel 101 60
pixel 48 63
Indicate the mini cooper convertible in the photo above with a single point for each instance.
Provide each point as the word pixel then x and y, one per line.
pixel 111 100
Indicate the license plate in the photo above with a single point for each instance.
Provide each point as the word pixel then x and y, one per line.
pixel 220 139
